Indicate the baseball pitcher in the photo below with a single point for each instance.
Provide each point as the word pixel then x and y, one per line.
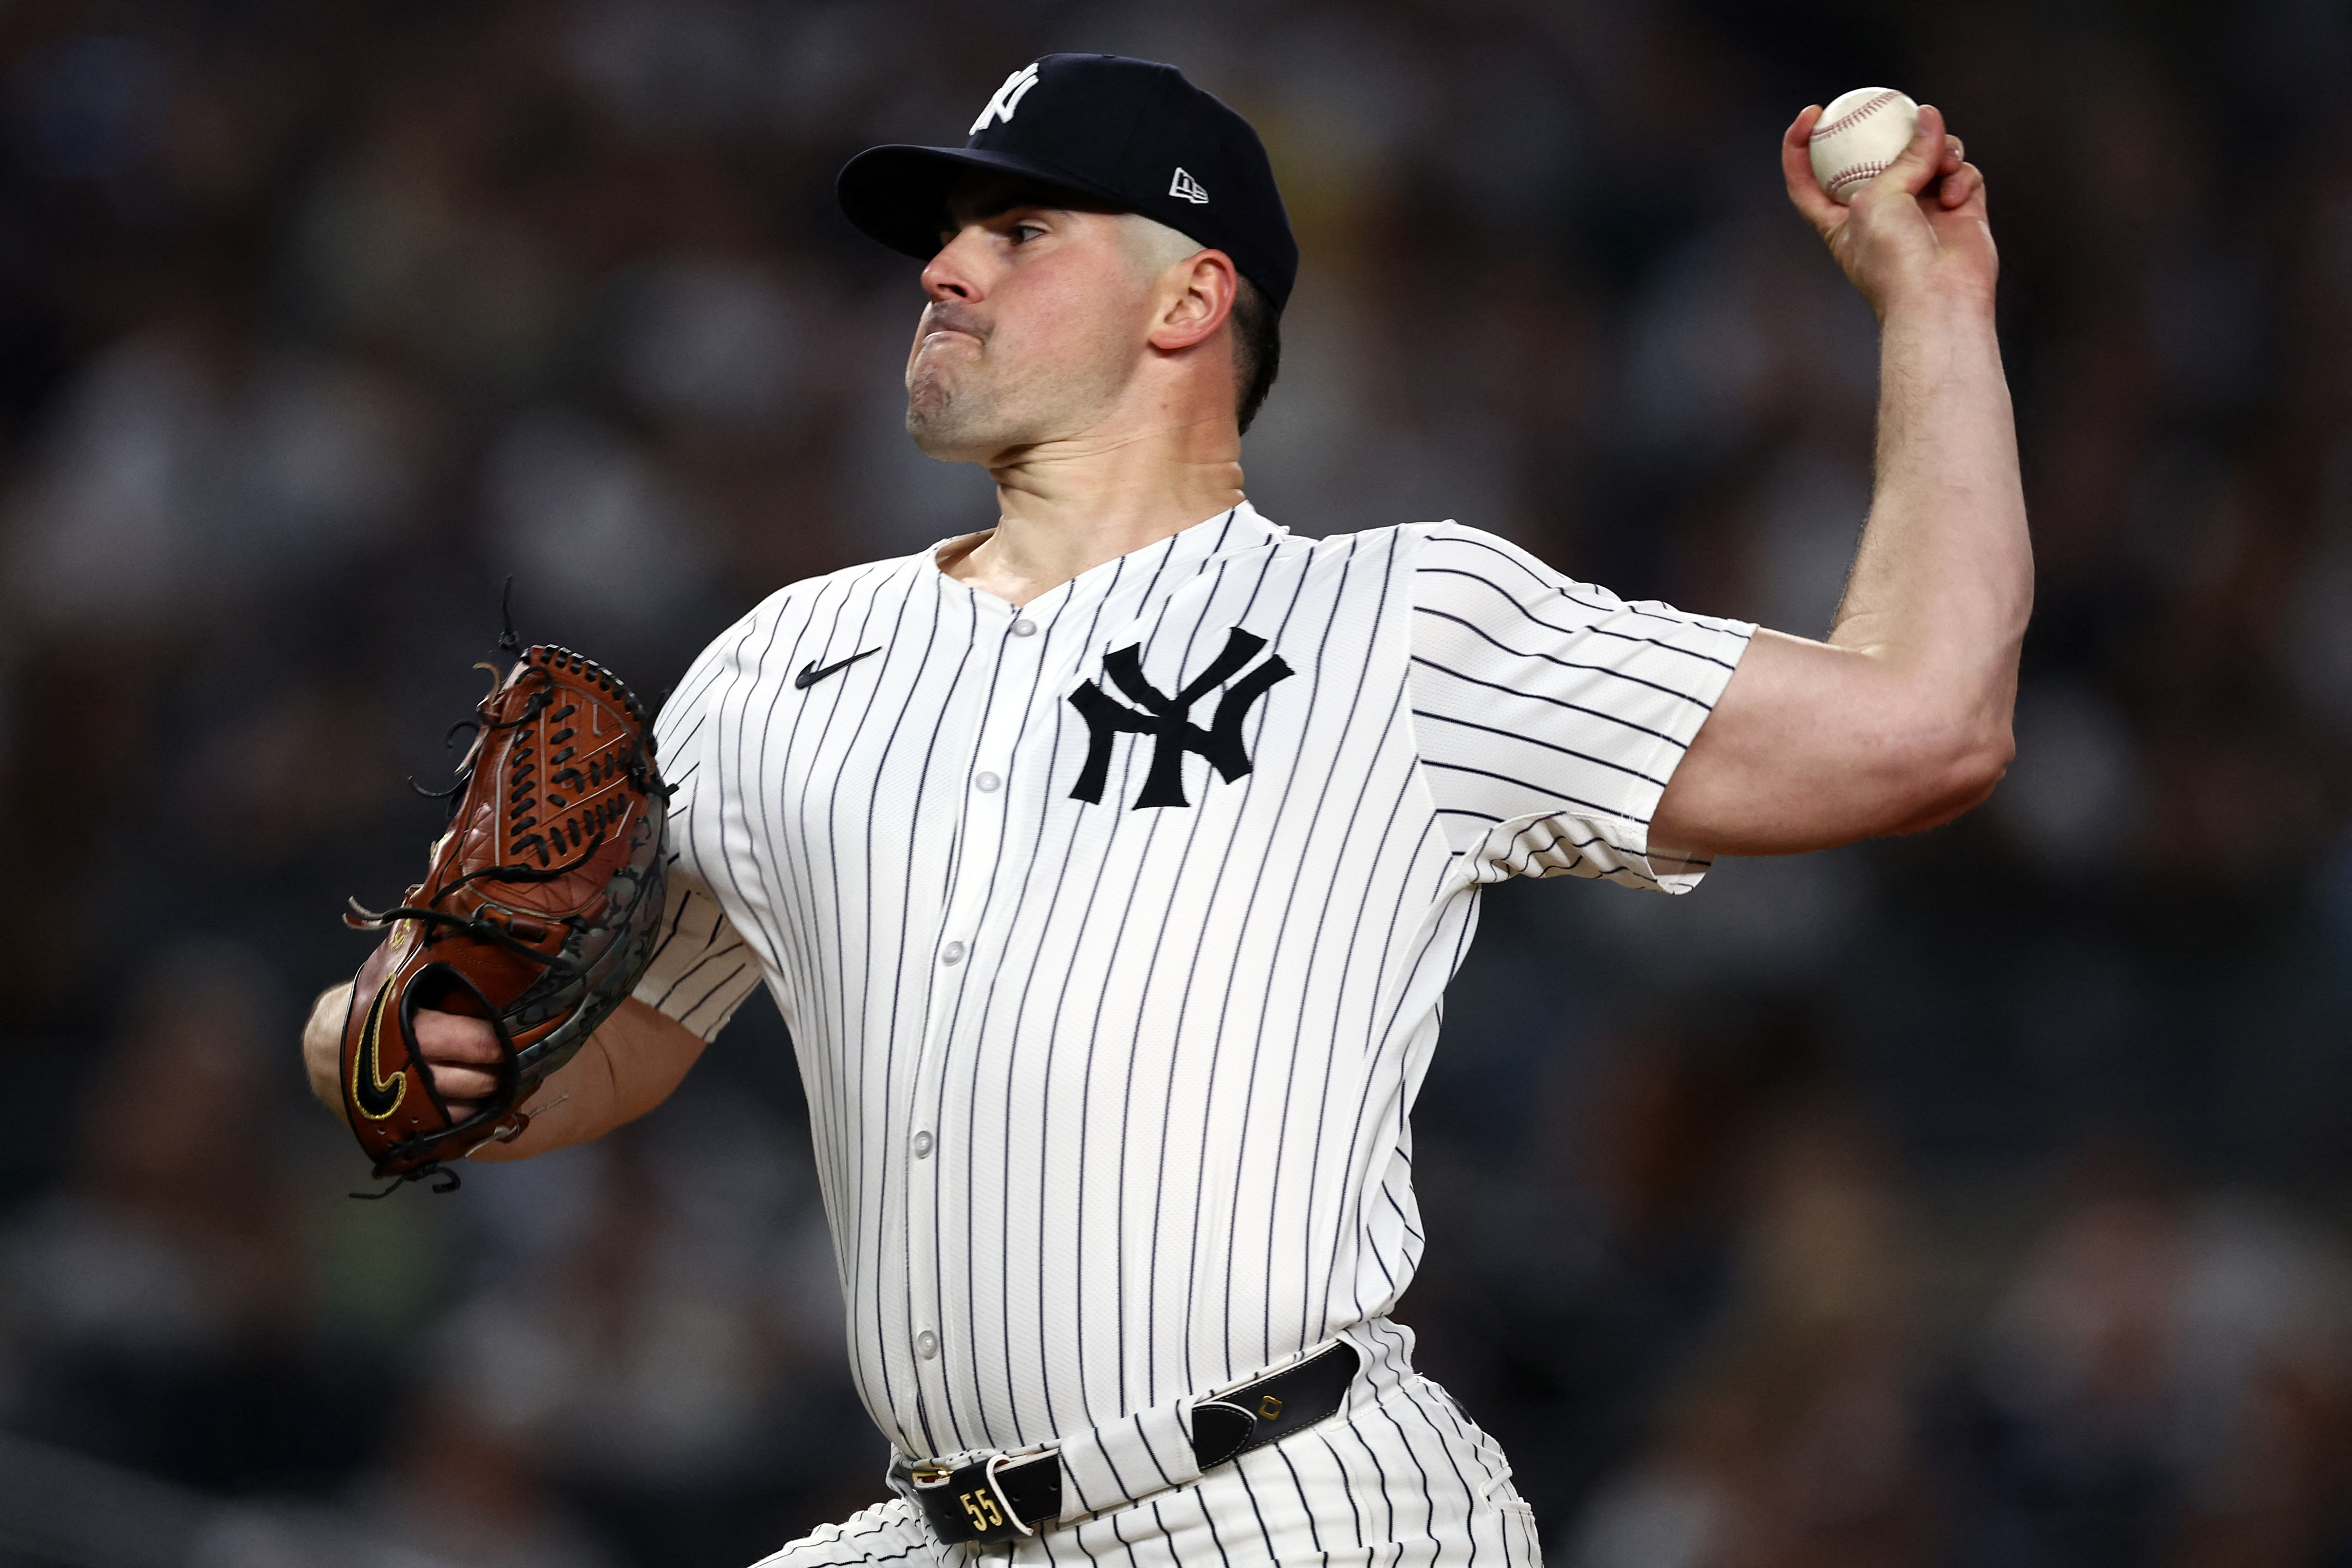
pixel 1109 864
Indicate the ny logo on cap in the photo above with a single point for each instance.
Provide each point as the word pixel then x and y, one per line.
pixel 1008 99
pixel 1189 188
pixel 1168 718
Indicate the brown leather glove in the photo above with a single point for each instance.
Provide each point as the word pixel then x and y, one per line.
pixel 540 912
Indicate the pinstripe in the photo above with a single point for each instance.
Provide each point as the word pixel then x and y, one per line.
pixel 1461 1482
pixel 955 771
pixel 1537 788
pixel 1267 1337
pixel 1216 1036
pixel 1581 593
pixel 839 1117
pixel 1588 668
pixel 1339 1476
pixel 974 1187
pixel 1330 1276
pixel 1207 606
pixel 735 863
pixel 1398 817
pixel 1161 1059
pixel 1190 832
pixel 1356 1433
pixel 1525 740
pixel 1420 1472
pixel 1086 1078
pixel 796 942
pixel 805 963
pixel 1258 1514
pixel 1391 1120
pixel 1209 1523
pixel 1591 629
pixel 1053 906
pixel 874 1210
pixel 933 1439
pixel 1305 1504
pixel 1015 1033
pixel 717 986
pixel 1117 1533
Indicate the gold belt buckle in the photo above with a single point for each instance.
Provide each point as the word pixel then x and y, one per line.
pixel 931 1475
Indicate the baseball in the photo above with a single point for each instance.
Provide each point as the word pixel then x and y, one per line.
pixel 1858 135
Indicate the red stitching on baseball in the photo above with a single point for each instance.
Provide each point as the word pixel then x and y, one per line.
pixel 1862 112
pixel 1854 175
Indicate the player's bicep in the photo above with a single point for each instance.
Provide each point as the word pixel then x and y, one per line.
pixel 1810 745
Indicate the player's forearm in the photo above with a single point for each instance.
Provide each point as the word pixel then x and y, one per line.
pixel 1943 581
pixel 626 1068
pixel 1901 721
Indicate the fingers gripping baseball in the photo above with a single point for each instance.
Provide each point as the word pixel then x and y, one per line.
pixel 1917 230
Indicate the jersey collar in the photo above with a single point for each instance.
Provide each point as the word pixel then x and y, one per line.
pixel 1180 555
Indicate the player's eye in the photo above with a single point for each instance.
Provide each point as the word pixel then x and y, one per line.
pixel 1023 233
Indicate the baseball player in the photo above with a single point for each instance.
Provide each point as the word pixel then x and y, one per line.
pixel 1109 864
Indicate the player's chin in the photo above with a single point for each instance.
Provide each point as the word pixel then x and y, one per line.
pixel 933 422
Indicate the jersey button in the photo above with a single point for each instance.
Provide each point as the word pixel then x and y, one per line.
pixel 951 954
pixel 927 1344
pixel 986 783
pixel 1025 629
pixel 922 1145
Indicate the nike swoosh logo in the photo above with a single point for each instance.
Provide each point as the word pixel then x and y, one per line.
pixel 376 1096
pixel 809 674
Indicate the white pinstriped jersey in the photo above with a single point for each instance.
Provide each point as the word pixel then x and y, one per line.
pixel 1112 929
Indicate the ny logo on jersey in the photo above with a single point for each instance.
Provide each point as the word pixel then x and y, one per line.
pixel 1168 719
pixel 1008 99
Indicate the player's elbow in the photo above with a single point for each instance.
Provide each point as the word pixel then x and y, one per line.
pixel 1951 770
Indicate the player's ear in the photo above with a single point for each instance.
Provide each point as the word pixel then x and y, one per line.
pixel 1198 301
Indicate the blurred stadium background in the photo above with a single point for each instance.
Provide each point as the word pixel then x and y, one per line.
pixel 1983 1198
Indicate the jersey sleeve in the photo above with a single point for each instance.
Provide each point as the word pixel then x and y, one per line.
pixel 702 969
pixel 1549 713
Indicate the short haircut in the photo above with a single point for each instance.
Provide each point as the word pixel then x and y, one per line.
pixel 1257 349
pixel 1257 325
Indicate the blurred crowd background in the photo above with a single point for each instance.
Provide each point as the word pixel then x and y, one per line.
pixel 1980 1198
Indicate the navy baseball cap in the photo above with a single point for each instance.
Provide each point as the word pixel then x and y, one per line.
pixel 1134 134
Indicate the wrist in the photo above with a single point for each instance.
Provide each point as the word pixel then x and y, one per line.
pixel 1939 302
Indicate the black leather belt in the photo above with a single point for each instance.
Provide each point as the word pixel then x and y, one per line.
pixel 999 1498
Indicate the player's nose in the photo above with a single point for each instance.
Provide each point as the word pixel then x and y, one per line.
pixel 950 275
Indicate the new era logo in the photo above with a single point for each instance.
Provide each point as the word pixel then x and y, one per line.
pixel 1188 188
pixel 1008 99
